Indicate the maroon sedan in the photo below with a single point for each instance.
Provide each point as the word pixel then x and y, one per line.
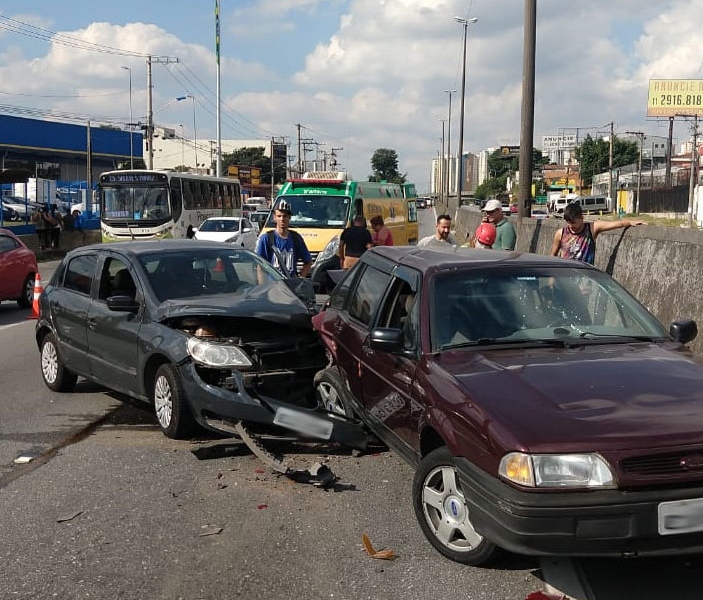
pixel 18 268
pixel 545 410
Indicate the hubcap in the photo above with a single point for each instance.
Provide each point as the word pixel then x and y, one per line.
pixel 29 291
pixel 163 402
pixel 329 399
pixel 49 362
pixel 446 512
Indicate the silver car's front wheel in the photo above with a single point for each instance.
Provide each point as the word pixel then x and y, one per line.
pixel 170 403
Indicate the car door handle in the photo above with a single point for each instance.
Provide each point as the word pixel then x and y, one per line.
pixel 92 324
pixel 367 350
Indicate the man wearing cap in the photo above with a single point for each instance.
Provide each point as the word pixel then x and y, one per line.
pixel 283 247
pixel 505 232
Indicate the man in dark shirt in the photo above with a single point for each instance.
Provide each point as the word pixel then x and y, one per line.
pixel 353 242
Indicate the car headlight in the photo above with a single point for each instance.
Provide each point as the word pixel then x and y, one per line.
pixel 557 470
pixel 233 239
pixel 217 355
pixel 329 250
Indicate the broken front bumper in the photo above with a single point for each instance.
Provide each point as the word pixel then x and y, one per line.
pixel 220 409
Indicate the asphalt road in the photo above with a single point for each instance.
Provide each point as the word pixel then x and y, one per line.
pixel 110 508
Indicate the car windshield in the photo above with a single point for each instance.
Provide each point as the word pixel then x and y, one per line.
pixel 203 272
pixel 564 306
pixel 135 202
pixel 309 210
pixel 226 225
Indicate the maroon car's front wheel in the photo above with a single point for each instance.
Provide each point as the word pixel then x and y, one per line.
pixel 443 513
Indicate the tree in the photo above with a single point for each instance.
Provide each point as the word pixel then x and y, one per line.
pixel 594 156
pixel 249 157
pixel 500 167
pixel 384 163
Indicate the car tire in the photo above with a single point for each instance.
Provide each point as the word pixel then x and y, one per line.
pixel 170 405
pixel 55 375
pixel 332 395
pixel 27 297
pixel 441 509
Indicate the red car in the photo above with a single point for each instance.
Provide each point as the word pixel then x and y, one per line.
pixel 18 268
pixel 544 410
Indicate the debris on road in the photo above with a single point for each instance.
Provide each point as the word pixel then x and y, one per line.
pixel 210 530
pixel 373 553
pixel 69 517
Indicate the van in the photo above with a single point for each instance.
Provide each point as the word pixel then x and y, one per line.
pixel 594 204
pixel 560 203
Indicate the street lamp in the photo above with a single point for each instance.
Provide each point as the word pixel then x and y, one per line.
pixel 195 131
pixel 460 155
pixel 131 133
pixel 183 150
pixel 449 144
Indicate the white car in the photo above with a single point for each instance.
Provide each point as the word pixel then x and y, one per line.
pixel 232 230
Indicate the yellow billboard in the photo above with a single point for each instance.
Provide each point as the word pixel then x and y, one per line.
pixel 672 97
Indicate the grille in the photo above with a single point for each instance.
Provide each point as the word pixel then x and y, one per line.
pixel 660 464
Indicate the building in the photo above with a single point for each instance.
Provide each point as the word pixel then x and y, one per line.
pixel 64 151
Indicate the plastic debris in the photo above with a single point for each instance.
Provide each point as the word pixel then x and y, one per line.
pixel 373 553
pixel 210 530
pixel 69 517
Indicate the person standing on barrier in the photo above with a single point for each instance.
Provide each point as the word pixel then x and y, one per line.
pixel 577 240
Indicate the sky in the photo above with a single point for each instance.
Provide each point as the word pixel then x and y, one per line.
pixel 349 76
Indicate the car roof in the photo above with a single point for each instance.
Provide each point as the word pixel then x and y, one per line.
pixel 223 219
pixel 137 248
pixel 427 259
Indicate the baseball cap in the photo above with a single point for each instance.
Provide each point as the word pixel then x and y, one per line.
pixel 285 207
pixel 492 205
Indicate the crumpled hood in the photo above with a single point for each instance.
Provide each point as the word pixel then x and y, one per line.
pixel 594 397
pixel 272 301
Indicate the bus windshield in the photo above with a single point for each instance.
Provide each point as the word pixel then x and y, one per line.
pixel 135 202
pixel 311 210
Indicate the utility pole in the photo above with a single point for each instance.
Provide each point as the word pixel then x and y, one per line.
pixel 449 146
pixel 669 152
pixel 89 170
pixel 527 112
pixel 442 169
pixel 693 179
pixel 333 160
pixel 640 136
pixel 149 105
pixel 610 167
pixel 300 152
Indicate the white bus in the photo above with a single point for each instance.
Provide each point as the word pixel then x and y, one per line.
pixel 142 204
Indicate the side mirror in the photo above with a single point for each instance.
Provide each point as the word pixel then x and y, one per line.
pixel 683 331
pixel 246 230
pixel 387 339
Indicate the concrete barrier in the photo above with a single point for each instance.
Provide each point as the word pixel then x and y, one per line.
pixel 660 266
pixel 68 241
